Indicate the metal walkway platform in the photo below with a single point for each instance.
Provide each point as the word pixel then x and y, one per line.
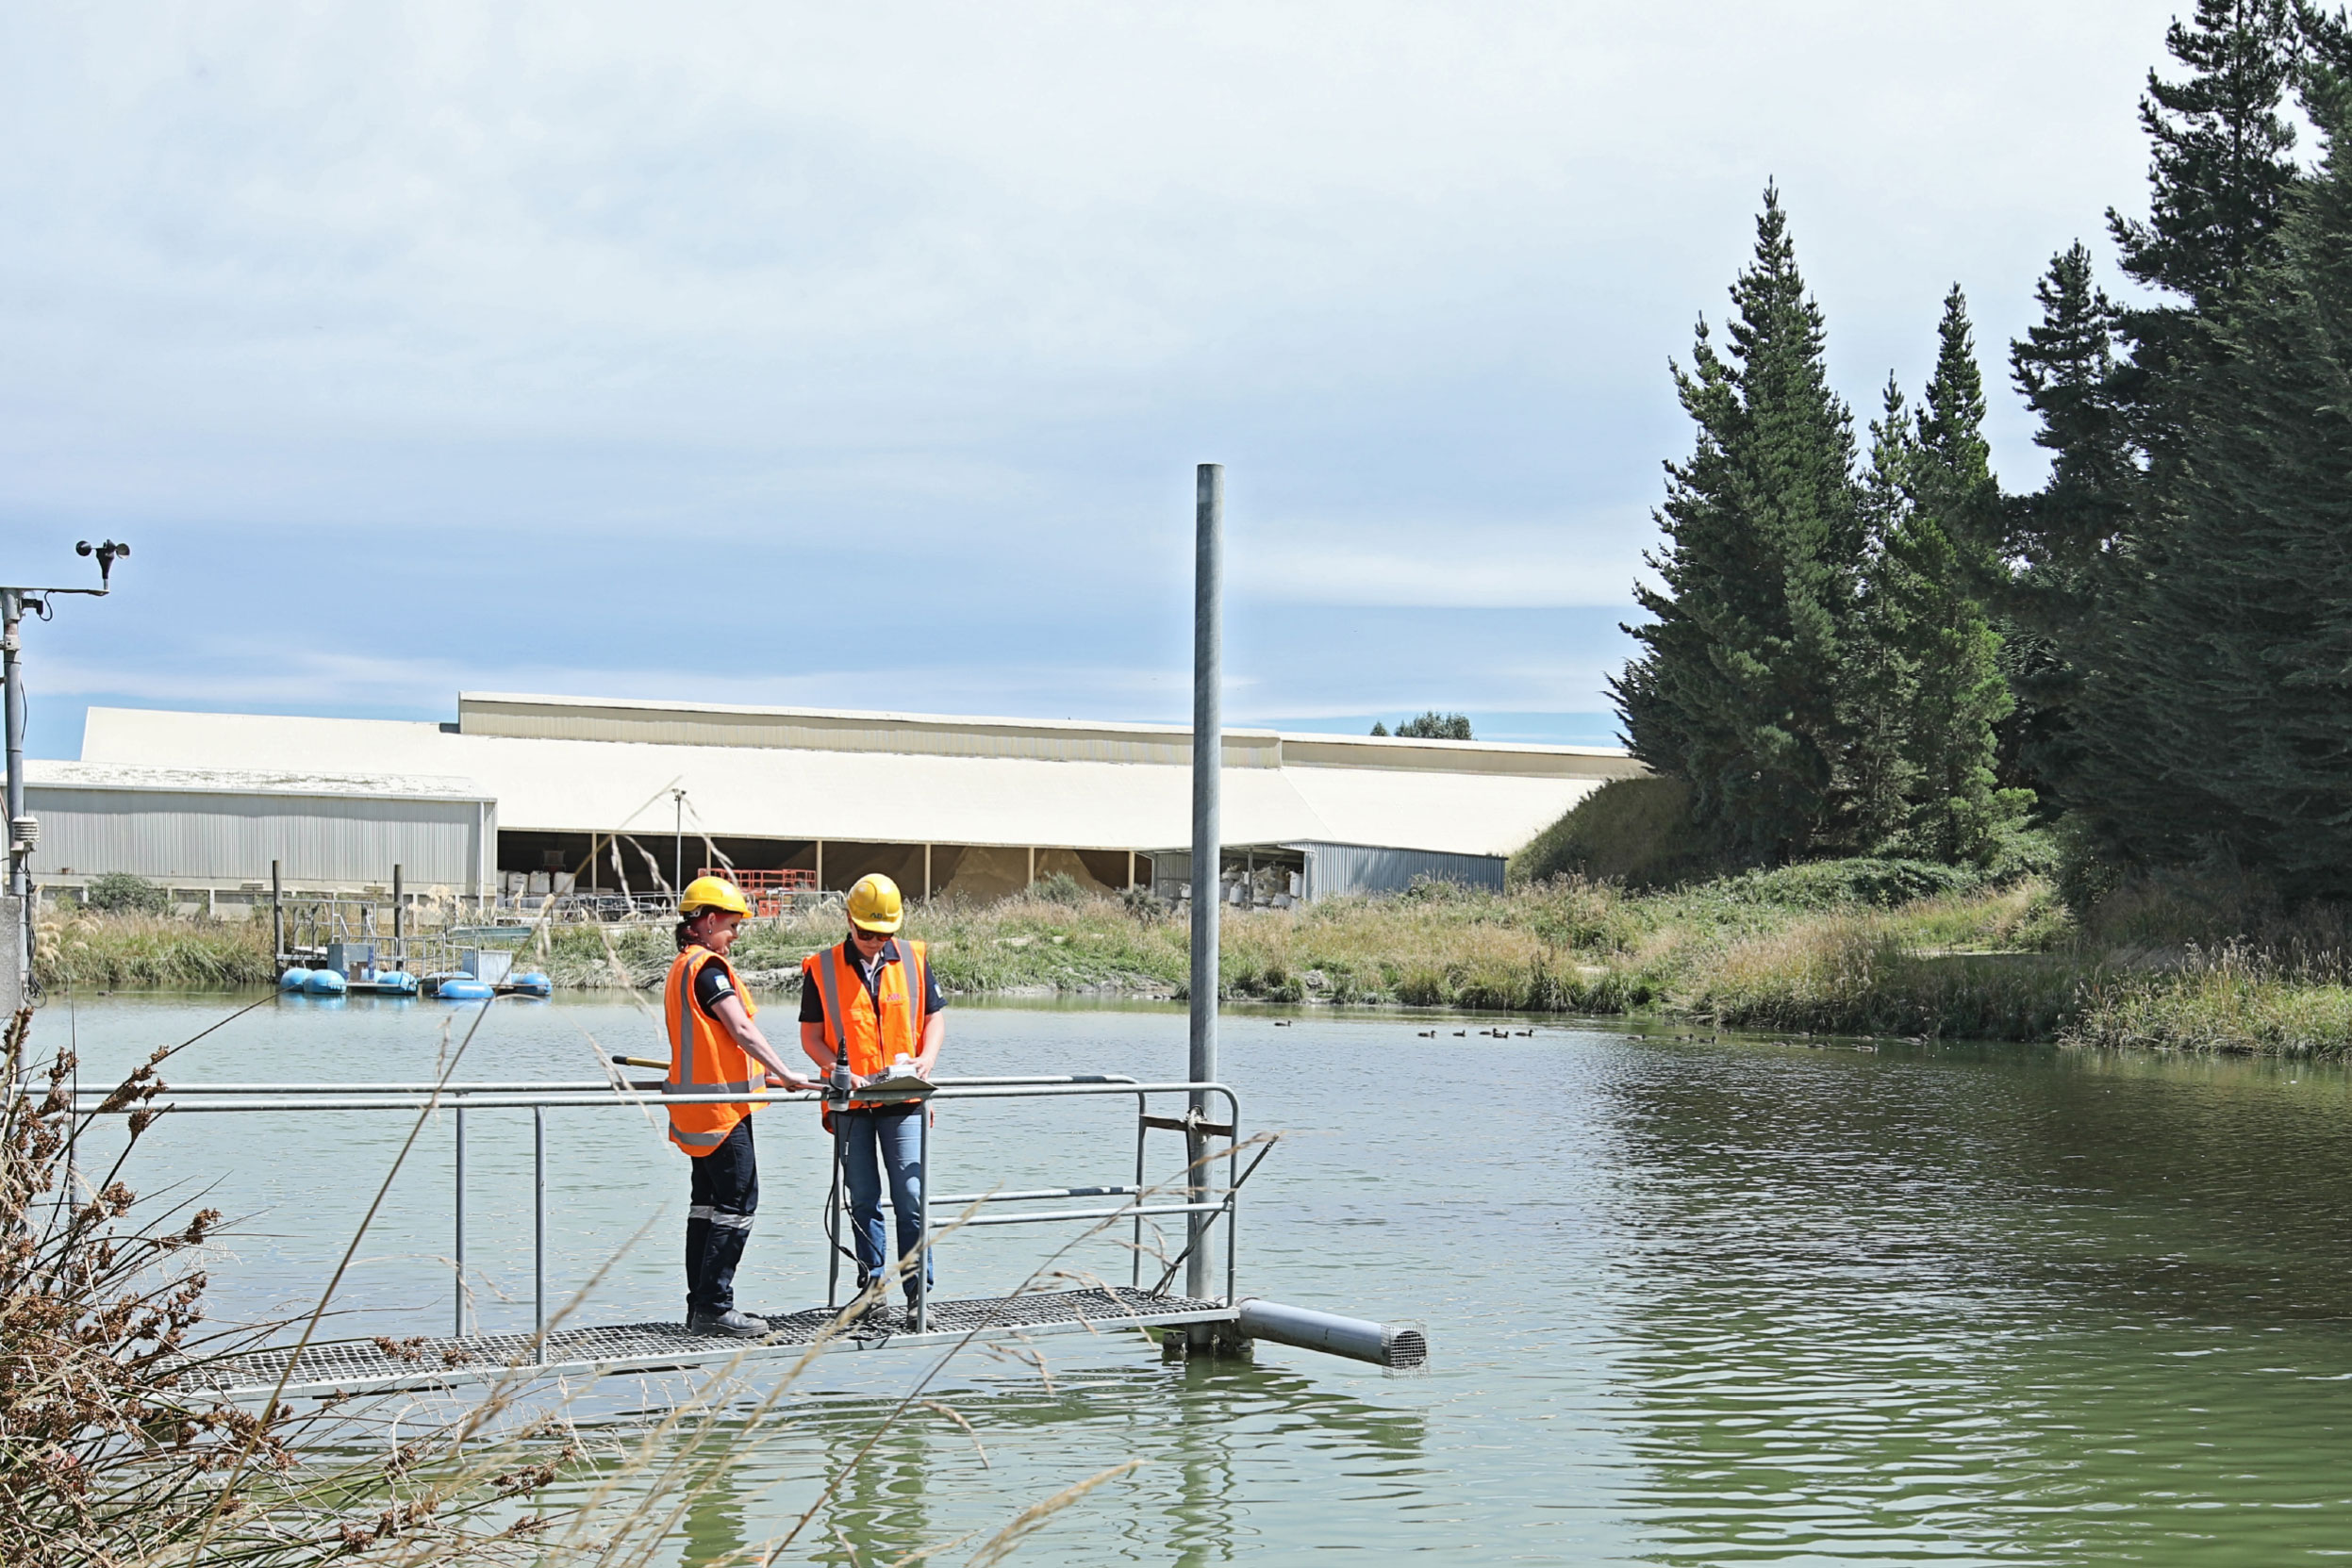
pixel 374 1366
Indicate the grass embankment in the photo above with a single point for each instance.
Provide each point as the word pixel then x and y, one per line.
pixel 1848 946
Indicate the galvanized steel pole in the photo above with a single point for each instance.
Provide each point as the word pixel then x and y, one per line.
pixel 459 1207
pixel 539 1229
pixel 1208 757
pixel 12 674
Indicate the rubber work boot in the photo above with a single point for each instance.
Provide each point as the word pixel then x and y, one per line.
pixel 730 1323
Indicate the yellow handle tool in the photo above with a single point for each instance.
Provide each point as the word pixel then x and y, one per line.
pixel 641 1062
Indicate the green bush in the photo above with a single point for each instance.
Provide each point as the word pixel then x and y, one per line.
pixel 120 893
pixel 1838 883
pixel 1635 831
pixel 1058 887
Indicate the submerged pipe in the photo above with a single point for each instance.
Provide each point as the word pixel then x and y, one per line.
pixel 1382 1344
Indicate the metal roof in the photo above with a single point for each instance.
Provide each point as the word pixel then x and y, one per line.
pixel 882 778
pixel 226 781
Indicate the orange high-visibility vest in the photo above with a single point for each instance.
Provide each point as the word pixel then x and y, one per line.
pixel 853 1026
pixel 705 1059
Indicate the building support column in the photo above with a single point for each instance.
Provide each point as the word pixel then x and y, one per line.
pixel 821 865
pixel 1131 869
pixel 926 873
pixel 1032 866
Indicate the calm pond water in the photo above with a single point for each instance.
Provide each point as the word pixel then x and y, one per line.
pixel 1687 1301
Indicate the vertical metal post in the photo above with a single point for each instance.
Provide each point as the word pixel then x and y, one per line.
pixel 12 676
pixel 1208 759
pixel 400 924
pixel 460 1206
pixel 926 873
pixel 277 913
pixel 539 1228
pixel 677 846
pixel 1134 1267
pixel 922 1221
pixel 833 1218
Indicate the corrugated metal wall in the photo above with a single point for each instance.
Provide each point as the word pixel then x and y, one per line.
pixel 221 837
pixel 1336 868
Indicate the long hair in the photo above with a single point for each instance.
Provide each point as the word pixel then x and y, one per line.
pixel 685 932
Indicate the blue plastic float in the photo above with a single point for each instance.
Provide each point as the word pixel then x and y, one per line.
pixel 458 987
pixel 325 983
pixel 292 980
pixel 530 984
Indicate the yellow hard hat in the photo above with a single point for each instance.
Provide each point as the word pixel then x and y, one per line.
pixel 875 904
pixel 712 893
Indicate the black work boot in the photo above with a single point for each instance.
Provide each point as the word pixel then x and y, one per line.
pixel 730 1323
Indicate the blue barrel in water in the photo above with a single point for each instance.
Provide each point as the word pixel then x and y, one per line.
pixel 325 983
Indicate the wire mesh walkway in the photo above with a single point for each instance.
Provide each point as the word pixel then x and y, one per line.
pixel 385 1366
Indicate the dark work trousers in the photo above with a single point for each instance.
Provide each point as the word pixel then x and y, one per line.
pixel 725 1196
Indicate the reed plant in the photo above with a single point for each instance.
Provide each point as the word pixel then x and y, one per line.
pixel 91 950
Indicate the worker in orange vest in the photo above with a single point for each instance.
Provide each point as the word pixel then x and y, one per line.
pixel 715 1048
pixel 871 999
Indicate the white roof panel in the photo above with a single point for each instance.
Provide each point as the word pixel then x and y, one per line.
pixel 789 792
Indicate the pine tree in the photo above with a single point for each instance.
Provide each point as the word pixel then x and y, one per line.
pixel 1878 676
pixel 2060 539
pixel 2221 169
pixel 1737 688
pixel 1943 552
pixel 2230 694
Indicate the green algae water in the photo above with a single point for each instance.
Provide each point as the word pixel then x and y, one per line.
pixel 1687 1301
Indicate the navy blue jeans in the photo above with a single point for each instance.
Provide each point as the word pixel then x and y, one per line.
pixel 725 1196
pixel 873 1142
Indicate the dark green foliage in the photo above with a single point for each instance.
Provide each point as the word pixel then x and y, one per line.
pixel 2220 171
pixel 1379 728
pixel 1939 558
pixel 2060 539
pixel 2223 720
pixel 1058 887
pixel 1635 831
pixel 120 893
pixel 1881 673
pixel 1737 688
pixel 1435 726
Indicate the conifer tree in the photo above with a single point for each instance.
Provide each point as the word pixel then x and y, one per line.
pixel 2059 540
pixel 1879 676
pixel 1737 688
pixel 2226 718
pixel 2220 168
pixel 1943 552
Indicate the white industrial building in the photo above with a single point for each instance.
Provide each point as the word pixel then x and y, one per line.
pixel 593 791
pixel 215 832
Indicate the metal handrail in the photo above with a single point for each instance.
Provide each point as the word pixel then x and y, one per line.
pixel 586 1085
pixel 542 1096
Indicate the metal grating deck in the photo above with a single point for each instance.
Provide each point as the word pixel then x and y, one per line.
pixel 366 1366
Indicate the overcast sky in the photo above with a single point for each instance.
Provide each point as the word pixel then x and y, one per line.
pixel 859 356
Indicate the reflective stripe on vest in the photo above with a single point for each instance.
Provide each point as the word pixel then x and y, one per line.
pixel 869 1029
pixel 703 1057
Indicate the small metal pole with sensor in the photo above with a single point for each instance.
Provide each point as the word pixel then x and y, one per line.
pixel 22 830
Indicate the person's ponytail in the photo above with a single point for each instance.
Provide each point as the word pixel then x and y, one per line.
pixel 686 933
